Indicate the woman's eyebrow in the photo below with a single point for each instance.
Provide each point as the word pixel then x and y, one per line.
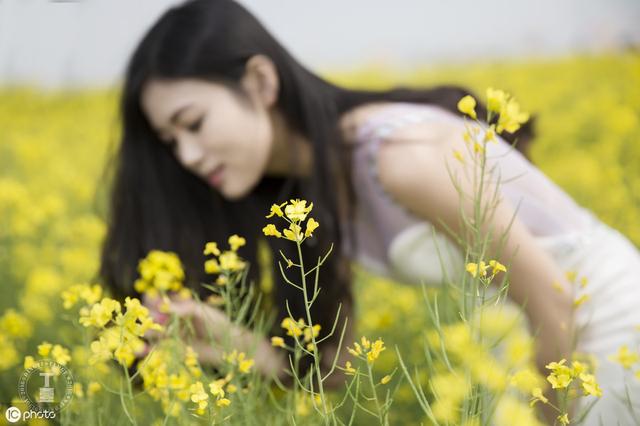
pixel 176 114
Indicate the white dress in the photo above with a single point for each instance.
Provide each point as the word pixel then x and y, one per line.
pixel 393 242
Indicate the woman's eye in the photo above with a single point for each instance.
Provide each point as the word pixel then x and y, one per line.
pixel 195 126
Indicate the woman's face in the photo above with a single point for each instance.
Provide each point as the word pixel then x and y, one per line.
pixel 215 134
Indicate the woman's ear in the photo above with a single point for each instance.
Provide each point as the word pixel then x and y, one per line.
pixel 261 80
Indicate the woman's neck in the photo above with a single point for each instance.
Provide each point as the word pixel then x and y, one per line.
pixel 291 153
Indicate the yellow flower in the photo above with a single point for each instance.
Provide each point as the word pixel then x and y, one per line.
pixel 625 357
pixel 490 134
pixel 77 390
pixel 160 271
pixel 589 385
pixel 511 118
pixel 29 362
pixel 44 349
pixel 271 231
pixel 497 267
pixel 93 388
pixel 458 156
pixel 477 268
pixel 276 210
pixel 467 105
pixel 580 300
pixel 564 419
pixel 216 388
pixel 277 341
pixel 348 369
pixel 308 331
pixel 235 242
pixel 198 395
pixel 293 328
pixel 376 348
pixel 560 376
pixel 294 233
pixel 297 210
pixel 231 262
pixel 100 314
pixel 244 366
pixel 386 379
pixel 311 226
pixel 495 99
pixel 212 248
pixel 538 396
pixel 60 355
pixel 223 402
pixel 212 266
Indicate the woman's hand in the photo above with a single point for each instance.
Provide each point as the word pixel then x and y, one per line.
pixel 213 331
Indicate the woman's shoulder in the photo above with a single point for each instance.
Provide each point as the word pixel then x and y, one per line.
pixel 398 122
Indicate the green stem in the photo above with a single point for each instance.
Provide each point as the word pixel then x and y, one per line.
pixel 381 415
pixel 316 358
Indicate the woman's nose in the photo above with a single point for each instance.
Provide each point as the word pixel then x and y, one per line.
pixel 189 152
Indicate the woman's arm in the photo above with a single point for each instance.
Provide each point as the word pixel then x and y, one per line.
pixel 211 325
pixel 416 175
pixel 268 360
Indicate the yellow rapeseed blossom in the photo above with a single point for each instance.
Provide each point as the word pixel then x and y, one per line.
pixel 29 362
pixel 60 355
pixel 497 267
pixel 44 349
pixel 312 225
pixel 271 231
pixel 477 268
pixel 276 210
pixel 625 357
pixel 240 360
pixel 223 402
pixel 386 379
pixel 293 233
pixel 561 375
pixel 495 99
pixel 90 294
pixel 199 396
pixel 100 313
pixel 581 300
pixel 277 341
pixel 563 419
pixel 211 248
pixel 235 242
pixel 348 369
pixel 490 134
pixel 297 210
pixel 510 411
pixel 93 388
pixel 370 350
pixel 161 272
pixel 467 105
pixel 293 328
pixel 511 117
pixel 589 385
pixel 15 324
pixel 231 262
pixel 538 396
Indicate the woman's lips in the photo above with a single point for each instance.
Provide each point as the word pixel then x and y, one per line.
pixel 215 177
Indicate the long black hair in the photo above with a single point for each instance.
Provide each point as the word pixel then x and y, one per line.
pixel 155 203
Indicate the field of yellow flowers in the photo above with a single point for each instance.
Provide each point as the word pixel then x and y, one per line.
pixel 52 151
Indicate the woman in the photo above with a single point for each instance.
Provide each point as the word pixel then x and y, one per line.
pixel 220 122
